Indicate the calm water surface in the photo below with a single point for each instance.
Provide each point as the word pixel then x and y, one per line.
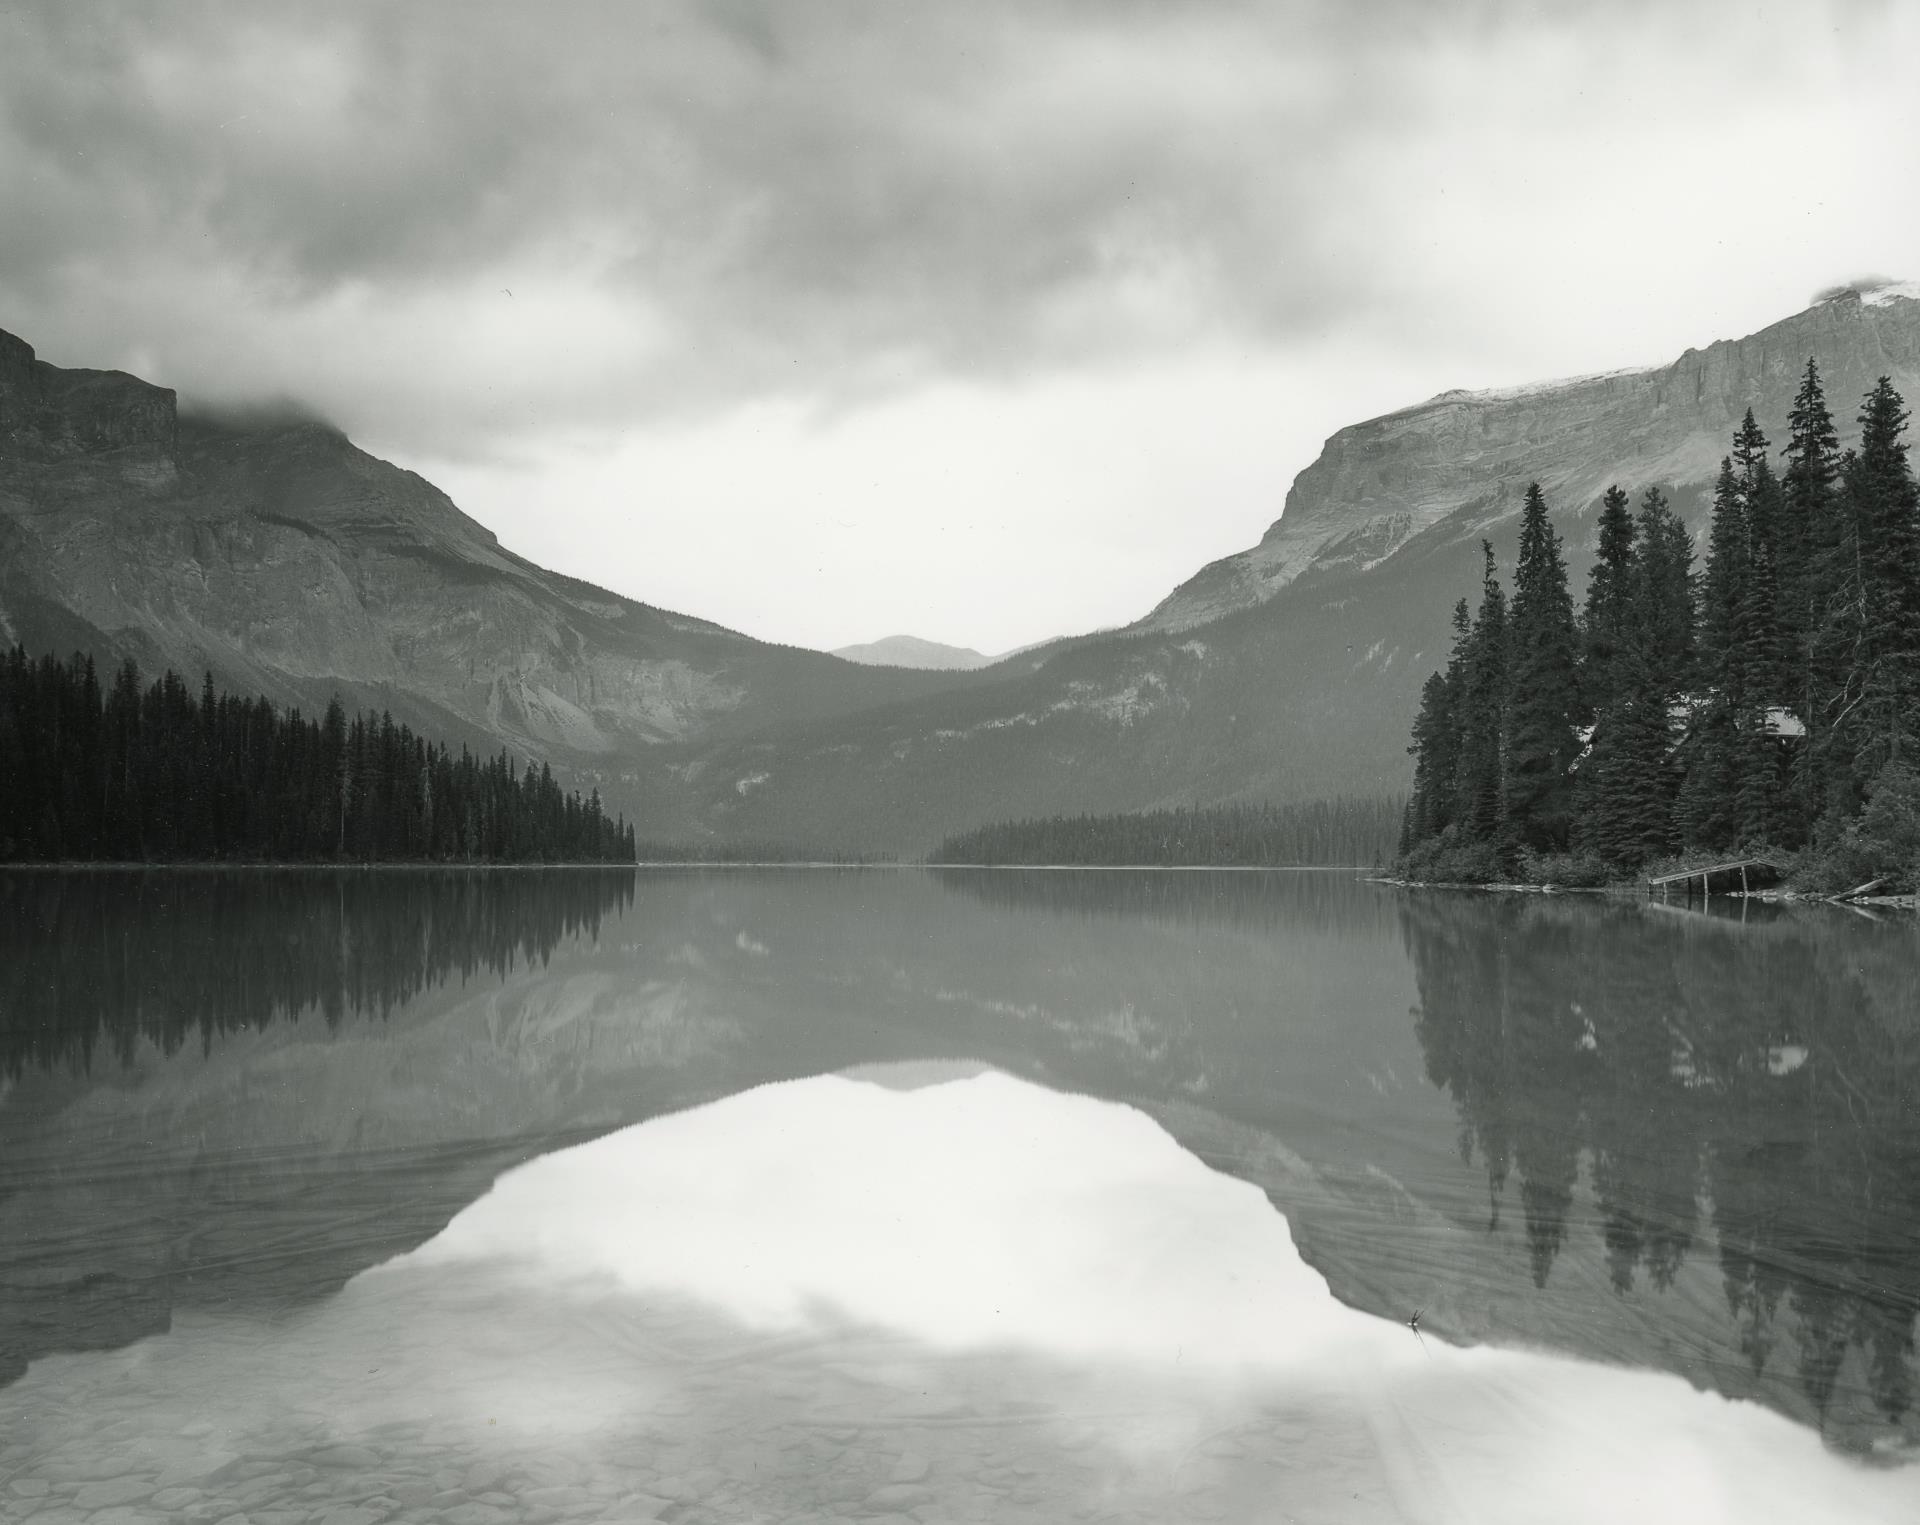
pixel 542 1196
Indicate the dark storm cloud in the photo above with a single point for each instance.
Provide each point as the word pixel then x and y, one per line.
pixel 814 194
pixel 820 185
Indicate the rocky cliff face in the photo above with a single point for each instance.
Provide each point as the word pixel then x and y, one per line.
pixel 288 562
pixel 1468 456
pixel 49 412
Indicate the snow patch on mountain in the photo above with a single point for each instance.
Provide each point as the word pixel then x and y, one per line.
pixel 1534 388
pixel 1891 291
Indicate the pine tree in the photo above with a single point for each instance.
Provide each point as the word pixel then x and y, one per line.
pixel 1435 731
pixel 1765 678
pixel 1724 600
pixel 1708 810
pixel 1883 512
pixel 1435 747
pixel 1663 595
pixel 1820 590
pixel 1764 509
pixel 1544 702
pixel 1628 781
pixel 1605 620
pixel 1483 714
pixel 1809 527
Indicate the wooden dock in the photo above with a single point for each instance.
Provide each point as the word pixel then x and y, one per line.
pixel 1739 874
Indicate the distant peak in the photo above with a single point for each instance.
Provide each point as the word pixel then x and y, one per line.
pixel 912 651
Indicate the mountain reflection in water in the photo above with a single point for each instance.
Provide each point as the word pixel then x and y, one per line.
pixel 1646 1137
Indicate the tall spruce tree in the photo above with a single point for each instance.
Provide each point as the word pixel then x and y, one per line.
pixel 1627 780
pixel 1708 809
pixel 1883 512
pixel 1605 621
pixel 1435 734
pixel 1765 668
pixel 1663 595
pixel 1543 706
pixel 1809 523
pixel 1767 806
pixel 1724 597
pixel 1483 714
pixel 1812 532
pixel 1770 614
pixel 1764 510
pixel 1432 806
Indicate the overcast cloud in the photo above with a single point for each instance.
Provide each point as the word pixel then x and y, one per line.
pixel 981 319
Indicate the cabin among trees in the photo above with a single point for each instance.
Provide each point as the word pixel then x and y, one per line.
pixel 150 773
pixel 1765 703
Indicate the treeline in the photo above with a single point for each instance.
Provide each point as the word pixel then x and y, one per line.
pixel 1339 832
pixel 1768 701
pixel 1207 902
pixel 150 773
pixel 753 852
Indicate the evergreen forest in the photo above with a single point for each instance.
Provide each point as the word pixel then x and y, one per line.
pixel 152 773
pixel 1354 832
pixel 1765 701
pixel 741 853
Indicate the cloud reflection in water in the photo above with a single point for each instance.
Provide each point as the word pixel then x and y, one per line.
pixel 990 1218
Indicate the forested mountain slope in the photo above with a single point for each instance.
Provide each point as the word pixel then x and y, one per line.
pixel 292 564
pixel 295 565
pixel 1295 671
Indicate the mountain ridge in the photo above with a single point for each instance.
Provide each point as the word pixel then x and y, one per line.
pixel 1378 483
pixel 914 651
pixel 1305 687
pixel 291 563
pixel 288 562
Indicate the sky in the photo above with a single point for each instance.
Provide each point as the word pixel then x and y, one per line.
pixel 984 321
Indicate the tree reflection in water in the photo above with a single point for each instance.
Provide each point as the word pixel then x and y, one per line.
pixel 1750 1081
pixel 101 960
pixel 1714 1120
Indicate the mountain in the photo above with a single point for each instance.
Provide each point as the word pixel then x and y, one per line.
pixel 1293 669
pixel 911 651
pixel 274 553
pixel 289 562
pixel 1467 455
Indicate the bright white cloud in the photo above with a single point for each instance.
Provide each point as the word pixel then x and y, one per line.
pixel 991 516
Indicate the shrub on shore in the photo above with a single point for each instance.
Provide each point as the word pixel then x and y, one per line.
pixel 1882 842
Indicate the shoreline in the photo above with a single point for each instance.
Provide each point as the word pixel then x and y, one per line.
pixel 1620 891
pixel 215 864
pixel 1640 891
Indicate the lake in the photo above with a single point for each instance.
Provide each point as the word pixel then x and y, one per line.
pixel 529 1196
